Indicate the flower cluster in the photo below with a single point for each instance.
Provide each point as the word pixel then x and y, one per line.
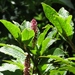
pixel 34 25
pixel 27 65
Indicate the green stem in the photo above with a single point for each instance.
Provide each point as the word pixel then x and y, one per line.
pixel 70 43
pixel 35 65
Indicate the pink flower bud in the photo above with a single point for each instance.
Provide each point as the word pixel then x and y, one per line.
pixel 34 25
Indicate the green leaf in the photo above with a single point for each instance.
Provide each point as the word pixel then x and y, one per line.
pixel 57 58
pixel 64 13
pixel 14 51
pixel 9 67
pixel 68 24
pixel 42 35
pixel 68 67
pixel 57 51
pixel 66 27
pixel 15 62
pixel 2 44
pixel 57 72
pixel 51 14
pixel 27 34
pixel 63 25
pixel 71 58
pixel 13 29
pixel 45 44
pixel 44 68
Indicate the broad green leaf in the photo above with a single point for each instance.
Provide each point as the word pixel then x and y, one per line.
pixel 46 43
pixel 63 25
pixel 71 58
pixel 58 52
pixel 57 72
pixel 13 29
pixel 14 51
pixel 42 35
pixel 51 14
pixel 2 44
pixel 15 62
pixel 9 67
pixel 34 51
pixel 44 68
pixel 66 27
pixel 70 68
pixel 27 34
pixel 64 13
pixel 57 58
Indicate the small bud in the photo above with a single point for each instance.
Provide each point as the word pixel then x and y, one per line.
pixel 34 25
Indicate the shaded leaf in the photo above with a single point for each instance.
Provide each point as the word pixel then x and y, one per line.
pixel 58 52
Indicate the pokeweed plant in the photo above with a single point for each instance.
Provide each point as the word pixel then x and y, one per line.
pixel 35 54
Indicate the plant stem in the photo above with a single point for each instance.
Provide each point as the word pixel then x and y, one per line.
pixel 71 44
pixel 35 64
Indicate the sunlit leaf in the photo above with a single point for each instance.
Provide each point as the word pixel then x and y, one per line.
pixel 9 67
pixel 63 25
pixel 16 62
pixel 42 35
pixel 13 29
pixel 46 43
pixel 14 51
pixel 27 34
